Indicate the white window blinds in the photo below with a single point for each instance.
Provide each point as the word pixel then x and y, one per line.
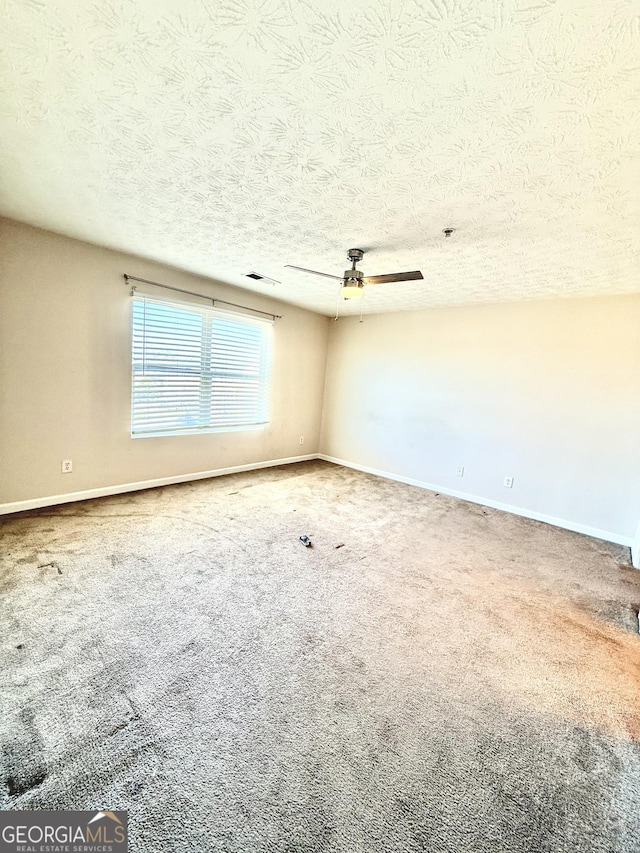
pixel 196 368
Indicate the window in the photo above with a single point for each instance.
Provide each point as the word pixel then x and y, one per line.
pixel 196 369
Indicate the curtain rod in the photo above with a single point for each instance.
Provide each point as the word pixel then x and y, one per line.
pixel 211 299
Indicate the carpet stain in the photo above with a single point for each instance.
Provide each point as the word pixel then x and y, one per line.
pixel 23 762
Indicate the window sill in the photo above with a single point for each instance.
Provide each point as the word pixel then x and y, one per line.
pixel 203 431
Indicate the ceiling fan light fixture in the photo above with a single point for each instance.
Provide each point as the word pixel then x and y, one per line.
pixel 352 290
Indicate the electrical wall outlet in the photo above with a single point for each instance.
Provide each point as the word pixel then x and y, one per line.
pixel 508 482
pixel 460 471
pixel 301 439
pixel 67 466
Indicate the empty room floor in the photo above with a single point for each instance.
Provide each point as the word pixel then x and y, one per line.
pixel 431 675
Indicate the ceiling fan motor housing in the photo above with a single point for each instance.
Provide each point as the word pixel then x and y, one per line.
pixel 353 277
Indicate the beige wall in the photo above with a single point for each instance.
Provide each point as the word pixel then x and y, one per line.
pixel 65 368
pixel 547 392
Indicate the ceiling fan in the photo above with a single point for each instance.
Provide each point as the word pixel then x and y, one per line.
pixel 353 280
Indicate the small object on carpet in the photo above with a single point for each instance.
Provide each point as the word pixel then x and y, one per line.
pixel 306 541
pixel 341 545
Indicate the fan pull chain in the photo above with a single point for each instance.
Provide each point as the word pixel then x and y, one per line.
pixel 362 306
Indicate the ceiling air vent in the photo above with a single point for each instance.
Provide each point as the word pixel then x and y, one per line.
pixel 256 276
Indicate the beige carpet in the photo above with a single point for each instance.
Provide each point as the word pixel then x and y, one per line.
pixel 431 676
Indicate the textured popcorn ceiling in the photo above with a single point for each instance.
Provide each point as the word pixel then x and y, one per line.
pixel 238 135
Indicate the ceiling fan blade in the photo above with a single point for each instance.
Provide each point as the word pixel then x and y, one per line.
pixel 393 276
pixel 314 272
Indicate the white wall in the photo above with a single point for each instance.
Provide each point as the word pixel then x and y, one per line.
pixel 545 391
pixel 65 368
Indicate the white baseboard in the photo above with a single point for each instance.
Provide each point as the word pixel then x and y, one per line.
pixel 525 513
pixel 104 491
